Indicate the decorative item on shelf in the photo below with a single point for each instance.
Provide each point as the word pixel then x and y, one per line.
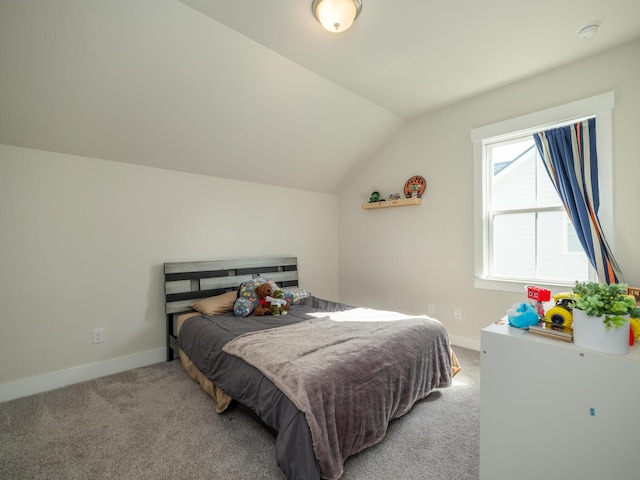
pixel 601 315
pixel 375 197
pixel 394 196
pixel 414 187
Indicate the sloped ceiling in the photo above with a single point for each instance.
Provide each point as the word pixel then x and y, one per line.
pixel 256 90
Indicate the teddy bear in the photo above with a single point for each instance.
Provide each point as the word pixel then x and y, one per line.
pixel 262 292
pixel 277 304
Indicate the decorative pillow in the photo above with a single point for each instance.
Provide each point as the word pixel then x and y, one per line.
pixel 247 298
pixel 243 306
pixel 295 294
pixel 216 304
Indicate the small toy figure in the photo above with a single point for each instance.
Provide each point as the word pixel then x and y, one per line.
pixel 277 303
pixel 375 197
pixel 394 196
pixel 538 295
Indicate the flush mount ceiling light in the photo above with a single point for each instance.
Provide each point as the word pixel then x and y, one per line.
pixel 336 15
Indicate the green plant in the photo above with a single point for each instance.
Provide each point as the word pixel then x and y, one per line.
pixel 608 300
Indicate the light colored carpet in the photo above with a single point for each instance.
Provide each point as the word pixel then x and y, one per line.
pixel 156 423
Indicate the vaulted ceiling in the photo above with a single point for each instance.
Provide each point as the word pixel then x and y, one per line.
pixel 256 90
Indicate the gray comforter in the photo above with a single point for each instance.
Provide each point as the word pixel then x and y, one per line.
pixel 350 375
pixel 308 444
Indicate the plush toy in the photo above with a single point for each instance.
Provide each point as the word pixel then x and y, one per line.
pixel 263 291
pixel 277 304
pixel 522 315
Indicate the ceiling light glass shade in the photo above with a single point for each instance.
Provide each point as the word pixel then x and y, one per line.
pixel 336 15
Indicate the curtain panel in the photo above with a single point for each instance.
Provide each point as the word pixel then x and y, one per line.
pixel 569 155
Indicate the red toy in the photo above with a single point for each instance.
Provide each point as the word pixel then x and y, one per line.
pixel 538 295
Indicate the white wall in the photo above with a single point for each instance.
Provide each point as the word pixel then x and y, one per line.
pixel 406 258
pixel 83 242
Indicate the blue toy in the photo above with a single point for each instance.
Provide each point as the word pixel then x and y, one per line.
pixel 522 315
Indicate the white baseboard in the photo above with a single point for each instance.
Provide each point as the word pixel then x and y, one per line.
pixel 62 378
pixel 465 342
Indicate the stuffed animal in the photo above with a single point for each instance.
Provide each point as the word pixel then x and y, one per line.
pixel 263 291
pixel 522 315
pixel 277 304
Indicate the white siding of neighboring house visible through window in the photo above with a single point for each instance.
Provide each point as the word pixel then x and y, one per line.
pixel 525 246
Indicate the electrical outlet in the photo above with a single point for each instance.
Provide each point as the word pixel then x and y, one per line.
pixel 98 335
pixel 432 309
pixel 457 313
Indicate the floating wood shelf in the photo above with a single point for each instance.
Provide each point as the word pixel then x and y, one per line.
pixel 401 202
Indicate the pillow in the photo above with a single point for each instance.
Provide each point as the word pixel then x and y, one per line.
pixel 296 294
pixel 247 298
pixel 243 306
pixel 216 304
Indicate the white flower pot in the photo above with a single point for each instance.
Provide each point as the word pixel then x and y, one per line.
pixel 591 333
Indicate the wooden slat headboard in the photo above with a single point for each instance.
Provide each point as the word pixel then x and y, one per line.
pixel 185 282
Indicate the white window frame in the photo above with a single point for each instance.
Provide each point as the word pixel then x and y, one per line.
pixel 602 107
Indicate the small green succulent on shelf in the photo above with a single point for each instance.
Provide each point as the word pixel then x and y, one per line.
pixel 608 300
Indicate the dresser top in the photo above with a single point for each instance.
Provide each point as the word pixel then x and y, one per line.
pixel 503 328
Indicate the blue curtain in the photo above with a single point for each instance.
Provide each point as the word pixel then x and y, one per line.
pixel 569 155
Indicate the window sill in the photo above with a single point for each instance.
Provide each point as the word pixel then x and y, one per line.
pixel 516 286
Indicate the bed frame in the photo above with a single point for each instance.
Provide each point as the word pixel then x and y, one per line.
pixel 186 282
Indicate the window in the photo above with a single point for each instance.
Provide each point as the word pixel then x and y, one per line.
pixel 522 233
pixel 528 229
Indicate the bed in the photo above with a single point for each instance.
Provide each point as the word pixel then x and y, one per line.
pixel 326 379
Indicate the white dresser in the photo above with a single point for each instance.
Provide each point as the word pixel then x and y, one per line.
pixel 551 410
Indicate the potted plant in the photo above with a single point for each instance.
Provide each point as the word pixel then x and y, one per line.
pixel 611 306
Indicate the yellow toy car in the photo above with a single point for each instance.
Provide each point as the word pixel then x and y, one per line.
pixel 561 314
